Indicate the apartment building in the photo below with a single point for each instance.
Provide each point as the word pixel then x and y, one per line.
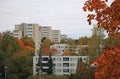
pixel 63 37
pixel 60 47
pixel 56 36
pixel 47 32
pixel 72 48
pixel 64 65
pixel 17 34
pixel 30 30
pixel 53 35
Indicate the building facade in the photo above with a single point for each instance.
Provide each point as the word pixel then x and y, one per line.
pixel 47 32
pixel 17 34
pixel 30 30
pixel 64 65
pixel 60 47
pixel 63 37
pixel 56 36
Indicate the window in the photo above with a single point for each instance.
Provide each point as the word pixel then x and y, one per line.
pixel 71 59
pixel 45 59
pixel 65 59
pixel 72 64
pixel 58 65
pixel 53 59
pixel 29 34
pixel 29 31
pixel 85 59
pixel 65 64
pixel 58 70
pixel 65 70
pixel 29 28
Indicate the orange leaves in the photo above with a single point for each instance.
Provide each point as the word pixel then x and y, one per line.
pixel 30 48
pixel 27 48
pixel 108 64
pixel 26 44
pixel 21 43
pixel 90 17
pixel 66 53
pixel 106 16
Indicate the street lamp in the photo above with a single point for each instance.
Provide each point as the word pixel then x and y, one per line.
pixel 5 72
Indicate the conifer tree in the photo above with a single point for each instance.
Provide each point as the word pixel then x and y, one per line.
pixel 50 66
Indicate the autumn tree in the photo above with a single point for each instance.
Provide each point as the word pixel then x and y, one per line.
pixel 95 43
pixel 111 41
pixel 83 40
pixel 108 64
pixel 17 59
pixel 9 44
pixel 84 71
pixel 46 43
pixel 107 17
pixel 28 41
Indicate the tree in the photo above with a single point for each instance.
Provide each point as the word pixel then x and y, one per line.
pixel 46 43
pixel 28 41
pixel 17 59
pixel 108 64
pixel 50 66
pixel 107 16
pixel 111 41
pixel 9 43
pixel 84 71
pixel 44 38
pixel 95 42
pixel 83 40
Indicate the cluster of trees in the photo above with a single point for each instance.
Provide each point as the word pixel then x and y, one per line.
pixel 107 17
pixel 16 55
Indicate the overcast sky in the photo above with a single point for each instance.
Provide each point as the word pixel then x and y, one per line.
pixel 64 15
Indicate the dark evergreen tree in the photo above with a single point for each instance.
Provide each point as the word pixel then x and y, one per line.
pixel 50 65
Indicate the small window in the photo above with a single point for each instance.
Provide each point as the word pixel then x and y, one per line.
pixel 45 59
pixel 65 59
pixel 65 70
pixel 65 64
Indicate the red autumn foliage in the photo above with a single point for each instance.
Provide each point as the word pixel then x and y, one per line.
pixel 108 64
pixel 106 16
pixel 28 43
pixel 30 48
pixel 66 53
pixel 21 43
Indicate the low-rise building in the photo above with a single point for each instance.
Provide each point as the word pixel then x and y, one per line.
pixel 64 65
pixel 60 47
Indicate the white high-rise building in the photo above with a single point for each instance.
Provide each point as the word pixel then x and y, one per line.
pixel 56 36
pixel 47 32
pixel 63 37
pixel 17 34
pixel 53 35
pixel 30 30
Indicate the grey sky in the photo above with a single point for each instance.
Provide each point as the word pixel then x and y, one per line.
pixel 65 15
